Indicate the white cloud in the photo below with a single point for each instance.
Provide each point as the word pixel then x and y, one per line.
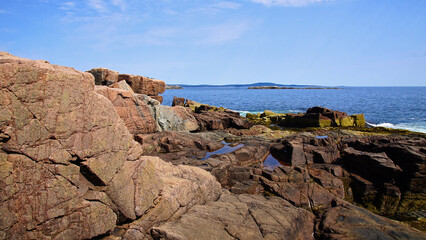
pixel 289 3
pixel 226 5
pixel 67 5
pixel 98 5
pixel 216 8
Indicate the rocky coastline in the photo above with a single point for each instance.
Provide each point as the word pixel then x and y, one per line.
pixel 94 155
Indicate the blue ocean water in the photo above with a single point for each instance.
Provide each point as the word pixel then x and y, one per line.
pixel 394 107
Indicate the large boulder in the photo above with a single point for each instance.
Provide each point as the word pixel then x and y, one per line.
pixel 70 169
pixel 175 119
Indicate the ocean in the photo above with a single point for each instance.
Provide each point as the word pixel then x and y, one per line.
pixel 392 107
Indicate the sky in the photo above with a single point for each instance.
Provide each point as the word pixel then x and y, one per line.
pixel 315 42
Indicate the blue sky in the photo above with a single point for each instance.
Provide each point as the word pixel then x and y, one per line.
pixel 319 42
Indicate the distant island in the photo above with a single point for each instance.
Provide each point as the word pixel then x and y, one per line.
pixel 277 87
pixel 261 85
pixel 173 86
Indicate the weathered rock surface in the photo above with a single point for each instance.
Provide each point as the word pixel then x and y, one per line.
pixel 385 174
pixel 104 76
pixel 144 85
pixel 346 221
pixel 136 114
pixel 240 217
pixel 175 119
pixel 216 120
pixel 213 118
pixel 123 86
pixel 178 147
pixel 306 149
pixel 178 102
pixel 302 188
pixel 138 84
pixel 69 168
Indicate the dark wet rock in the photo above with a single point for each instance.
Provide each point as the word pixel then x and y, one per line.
pixel 236 167
pixel 216 120
pixel 178 101
pixel 307 149
pixel 385 174
pixel 377 167
pixel 346 221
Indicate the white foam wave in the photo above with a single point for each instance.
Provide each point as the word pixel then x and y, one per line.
pixel 407 126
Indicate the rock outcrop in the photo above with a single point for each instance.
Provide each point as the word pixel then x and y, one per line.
pixel 104 76
pixel 211 117
pixel 314 117
pixel 70 169
pixel 385 174
pixel 144 85
pixel 79 161
pixel 139 84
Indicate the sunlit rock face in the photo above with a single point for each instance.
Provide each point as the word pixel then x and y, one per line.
pixel 70 169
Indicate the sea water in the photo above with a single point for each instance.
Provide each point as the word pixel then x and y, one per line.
pixel 393 107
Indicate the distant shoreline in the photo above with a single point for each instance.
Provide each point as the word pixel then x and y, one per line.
pixel 277 87
pixel 173 87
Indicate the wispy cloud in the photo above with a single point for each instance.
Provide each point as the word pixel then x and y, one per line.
pixel 114 24
pixel 121 4
pixel 226 5
pixel 67 5
pixel 222 33
pixel 217 7
pixel 289 3
pixel 98 5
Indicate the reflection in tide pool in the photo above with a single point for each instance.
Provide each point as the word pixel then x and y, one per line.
pixel 225 149
pixel 270 163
